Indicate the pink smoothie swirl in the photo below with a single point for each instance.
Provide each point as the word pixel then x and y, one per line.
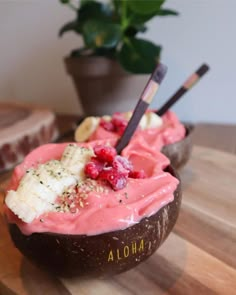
pixel 105 210
pixel 171 131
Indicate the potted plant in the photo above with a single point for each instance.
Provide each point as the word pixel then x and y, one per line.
pixel 112 55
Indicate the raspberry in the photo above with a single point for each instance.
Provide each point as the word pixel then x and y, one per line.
pixel 105 173
pixel 107 125
pixel 137 174
pixel 91 170
pixel 117 119
pixel 120 162
pixel 99 165
pixel 109 166
pixel 115 179
pixel 118 167
pixel 120 130
pixel 105 153
pixel 119 123
pixel 118 182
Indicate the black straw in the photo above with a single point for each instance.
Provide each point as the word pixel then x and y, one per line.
pixel 142 105
pixel 190 82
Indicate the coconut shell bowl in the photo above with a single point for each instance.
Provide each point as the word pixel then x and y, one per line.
pixel 101 255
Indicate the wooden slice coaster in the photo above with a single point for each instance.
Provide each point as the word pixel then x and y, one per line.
pixel 23 128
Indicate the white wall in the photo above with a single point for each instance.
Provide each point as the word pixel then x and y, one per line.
pixel 32 70
pixel 31 65
pixel 204 32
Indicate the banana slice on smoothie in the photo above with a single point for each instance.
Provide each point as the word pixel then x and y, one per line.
pixel 39 188
pixel 90 124
pixel 86 128
pixel 74 158
pixel 148 120
pixel 152 120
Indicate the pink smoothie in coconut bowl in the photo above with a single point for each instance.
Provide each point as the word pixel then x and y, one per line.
pixel 99 205
pixel 151 135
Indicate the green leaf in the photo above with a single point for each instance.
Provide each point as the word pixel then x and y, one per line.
pixel 69 4
pixel 98 33
pixel 164 12
pixel 90 10
pixel 93 10
pixel 78 52
pixel 84 2
pixel 131 31
pixel 137 19
pixel 71 26
pixel 64 1
pixel 117 5
pixel 107 52
pixel 139 56
pixel 145 6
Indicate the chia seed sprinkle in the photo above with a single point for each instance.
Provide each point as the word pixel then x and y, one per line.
pixel 73 199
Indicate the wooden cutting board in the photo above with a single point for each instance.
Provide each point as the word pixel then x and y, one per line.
pixel 22 129
pixel 199 257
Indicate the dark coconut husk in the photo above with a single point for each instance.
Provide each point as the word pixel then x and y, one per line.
pixel 100 255
pixel 180 152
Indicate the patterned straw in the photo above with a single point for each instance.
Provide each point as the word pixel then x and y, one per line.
pixel 142 105
pixel 190 82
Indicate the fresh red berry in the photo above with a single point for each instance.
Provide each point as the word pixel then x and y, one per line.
pixel 120 130
pixel 107 125
pixel 118 167
pixel 137 174
pixel 114 178
pixel 106 171
pixel 120 162
pixel 107 165
pixel 118 182
pixel 91 170
pixel 117 119
pixel 105 153
pixel 119 123
pixel 99 165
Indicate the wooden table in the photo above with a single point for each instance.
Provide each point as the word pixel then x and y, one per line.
pixel 199 256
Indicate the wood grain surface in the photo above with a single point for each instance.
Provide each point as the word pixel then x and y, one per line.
pixel 22 129
pixel 199 257
pixel 217 136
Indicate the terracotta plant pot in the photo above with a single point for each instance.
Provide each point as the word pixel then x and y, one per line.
pixel 102 86
pixel 179 152
pixel 104 254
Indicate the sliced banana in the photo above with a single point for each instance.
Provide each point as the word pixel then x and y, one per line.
pixel 148 120
pixel 55 176
pixel 106 118
pixel 74 158
pixel 30 183
pixel 86 128
pixel 153 120
pixel 143 122
pixel 128 115
pixel 21 209
pixel 39 188
pixel 26 207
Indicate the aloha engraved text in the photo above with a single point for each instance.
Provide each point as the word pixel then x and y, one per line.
pixel 126 251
